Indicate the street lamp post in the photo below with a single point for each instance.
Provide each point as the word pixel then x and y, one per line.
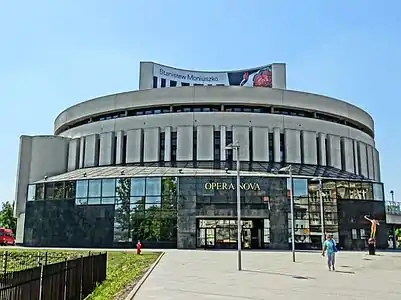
pixel 288 169
pixel 235 147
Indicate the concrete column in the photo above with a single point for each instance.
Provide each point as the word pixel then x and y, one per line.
pixel 120 147
pixel 322 149
pixel 223 143
pixel 167 143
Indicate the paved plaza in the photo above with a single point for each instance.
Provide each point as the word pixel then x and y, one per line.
pixel 186 274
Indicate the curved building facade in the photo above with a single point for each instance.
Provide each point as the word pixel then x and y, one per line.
pixel 153 165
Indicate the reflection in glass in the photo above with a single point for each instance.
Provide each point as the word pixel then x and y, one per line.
pixel 152 209
pixel 81 189
pixel 81 201
pixel 93 201
pixel 95 188
pixel 329 191
pixel 355 191
pixel 313 191
pixel 300 187
pixel 153 199
pixel 153 186
pixel 49 191
pixel 342 190
pixel 31 192
pixel 108 200
pixel 367 190
pixel 69 189
pixel 122 209
pixel 40 191
pixel 138 186
pixel 59 192
pixel 108 187
pixel 378 193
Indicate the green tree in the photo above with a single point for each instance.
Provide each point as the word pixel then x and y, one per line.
pixel 7 219
pixel 156 222
pixel 122 212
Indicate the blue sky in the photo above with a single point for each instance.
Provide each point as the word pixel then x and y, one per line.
pixel 56 53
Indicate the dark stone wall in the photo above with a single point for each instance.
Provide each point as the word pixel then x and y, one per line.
pixel 351 216
pixel 60 223
pixel 278 213
pixel 193 201
pixel 186 213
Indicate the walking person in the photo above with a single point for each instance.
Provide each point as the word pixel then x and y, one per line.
pixel 329 248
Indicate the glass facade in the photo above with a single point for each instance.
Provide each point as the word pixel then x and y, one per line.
pixel 190 212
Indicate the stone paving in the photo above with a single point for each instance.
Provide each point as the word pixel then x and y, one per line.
pixel 197 274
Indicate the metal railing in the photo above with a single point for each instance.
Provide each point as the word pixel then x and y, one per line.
pixel 67 279
pixel 393 208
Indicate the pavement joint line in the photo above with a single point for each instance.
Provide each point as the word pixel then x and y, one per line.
pixel 141 281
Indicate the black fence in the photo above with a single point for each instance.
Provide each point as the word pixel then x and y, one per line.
pixel 12 261
pixel 72 279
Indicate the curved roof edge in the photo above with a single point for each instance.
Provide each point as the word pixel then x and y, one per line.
pixel 163 91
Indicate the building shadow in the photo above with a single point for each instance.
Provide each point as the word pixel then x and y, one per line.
pixel 282 274
pixel 345 272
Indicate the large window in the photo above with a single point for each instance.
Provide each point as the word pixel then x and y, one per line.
pixel 138 186
pixel 378 193
pixel 31 192
pixel 145 210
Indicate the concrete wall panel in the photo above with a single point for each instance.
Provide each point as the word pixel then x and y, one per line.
pixel 73 154
pixel 151 144
pixel 134 146
pixel 107 149
pixel 205 142
pixel 91 151
pixel 185 139
pixel 292 146
pixel 309 147
pixel 241 135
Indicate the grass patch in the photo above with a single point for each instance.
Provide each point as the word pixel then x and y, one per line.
pixel 123 268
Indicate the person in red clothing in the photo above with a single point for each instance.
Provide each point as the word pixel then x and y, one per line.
pixel 138 247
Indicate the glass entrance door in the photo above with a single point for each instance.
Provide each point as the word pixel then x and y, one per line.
pixel 206 238
pixel 210 237
pixel 222 233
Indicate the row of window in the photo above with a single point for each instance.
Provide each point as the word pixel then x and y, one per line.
pixel 357 168
pixel 393 208
pixel 218 108
pixel 339 189
pixel 158 188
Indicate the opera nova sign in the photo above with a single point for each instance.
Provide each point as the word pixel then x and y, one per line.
pixel 230 186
